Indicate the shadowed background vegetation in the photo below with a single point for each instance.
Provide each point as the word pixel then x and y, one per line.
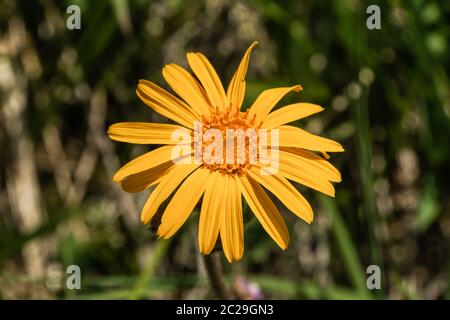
pixel 386 97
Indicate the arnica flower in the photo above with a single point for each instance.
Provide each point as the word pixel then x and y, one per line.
pixel 218 185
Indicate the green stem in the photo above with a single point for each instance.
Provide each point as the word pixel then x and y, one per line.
pixel 160 248
pixel 215 273
pixel 360 115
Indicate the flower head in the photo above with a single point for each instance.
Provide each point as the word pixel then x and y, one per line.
pixel 227 156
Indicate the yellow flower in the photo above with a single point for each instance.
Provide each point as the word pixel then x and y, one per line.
pixel 221 183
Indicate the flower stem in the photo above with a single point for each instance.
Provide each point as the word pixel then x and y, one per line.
pixel 215 273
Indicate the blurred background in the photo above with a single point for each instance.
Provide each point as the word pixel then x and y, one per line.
pixel 386 95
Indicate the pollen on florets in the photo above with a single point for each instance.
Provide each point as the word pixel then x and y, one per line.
pixel 238 148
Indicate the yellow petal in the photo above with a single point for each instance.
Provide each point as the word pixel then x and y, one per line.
pixel 142 180
pixel 289 113
pixel 183 202
pixel 145 162
pixel 211 212
pixel 145 133
pixel 236 88
pixel 312 162
pixel 167 184
pixel 231 223
pixel 292 169
pixel 166 104
pixel 265 211
pixel 284 191
pixel 188 88
pixel 290 136
pixel 208 78
pixel 313 182
pixel 267 100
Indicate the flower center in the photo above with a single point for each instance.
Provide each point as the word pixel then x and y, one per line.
pixel 230 142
